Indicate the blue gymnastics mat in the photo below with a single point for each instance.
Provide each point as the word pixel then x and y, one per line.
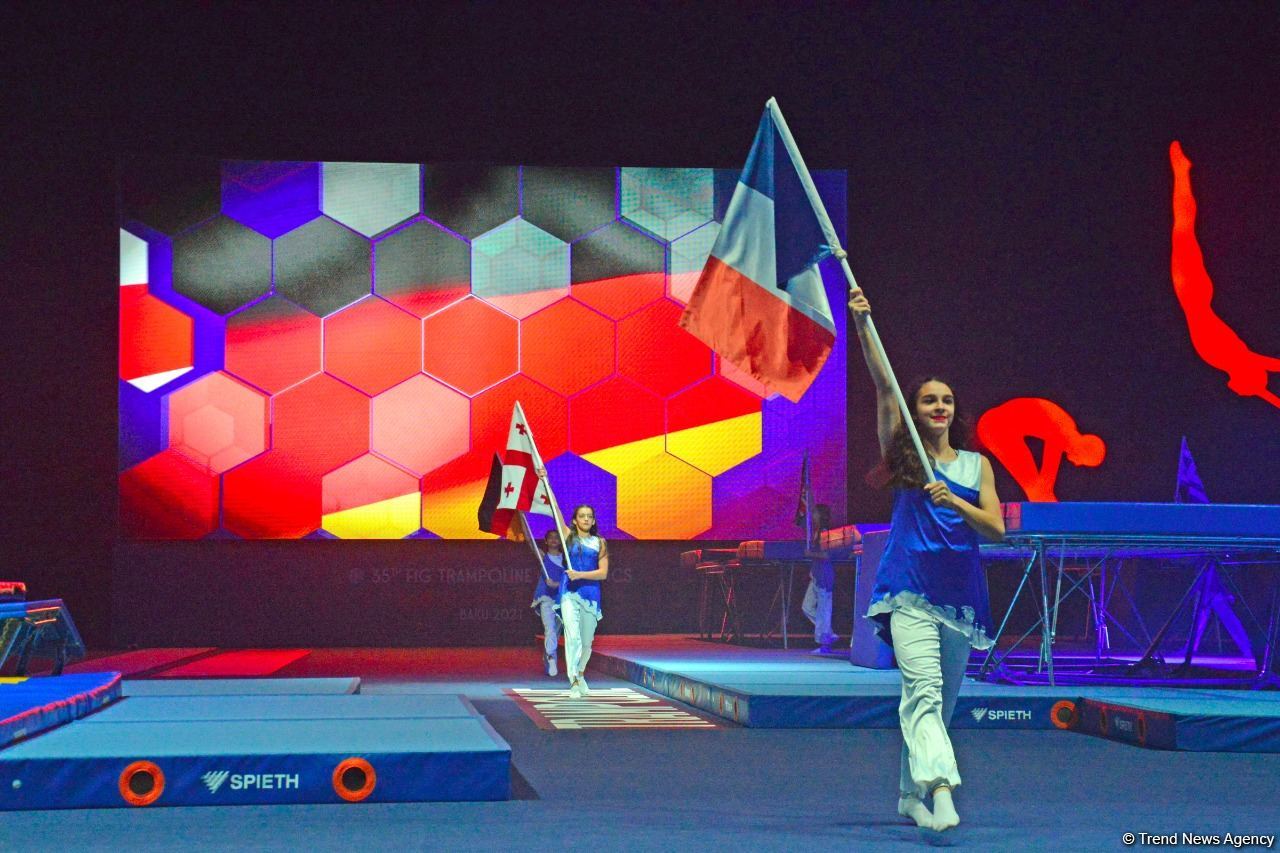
pixel 239 686
pixel 174 709
pixel 294 749
pixel 29 706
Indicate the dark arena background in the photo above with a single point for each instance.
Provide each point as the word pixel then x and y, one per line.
pixel 275 279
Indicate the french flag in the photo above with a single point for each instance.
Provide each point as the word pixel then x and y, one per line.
pixel 760 302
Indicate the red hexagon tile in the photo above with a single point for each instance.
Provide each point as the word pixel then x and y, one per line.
pixel 320 424
pixel 547 411
pixel 273 344
pixel 274 496
pixel 567 347
pixel 470 345
pixel 452 492
pixel 168 497
pixel 372 345
pixel 613 413
pixel 655 352
pixel 420 424
pixel 156 339
pixel 217 422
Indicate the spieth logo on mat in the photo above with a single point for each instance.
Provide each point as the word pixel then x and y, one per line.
pixel 980 714
pixel 214 779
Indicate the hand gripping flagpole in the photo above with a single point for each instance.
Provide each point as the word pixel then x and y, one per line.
pixel 833 241
pixel 546 484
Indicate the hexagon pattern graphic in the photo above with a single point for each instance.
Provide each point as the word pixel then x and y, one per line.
pixel 369 498
pixel 542 347
pixel 273 344
pixel 369 197
pixel 323 266
pixel 372 345
pixel 420 424
pixel 668 202
pixel 617 270
pixel 569 202
pixel 217 422
pixel 470 199
pixel 653 351
pixel 664 498
pixel 470 345
pixel 422 268
pixel 359 333
pixel 520 268
pixel 688 256
pixel 222 265
pixel 133 259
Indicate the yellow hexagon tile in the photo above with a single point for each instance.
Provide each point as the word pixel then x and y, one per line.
pixel 664 498
pixel 394 518
pixel 717 447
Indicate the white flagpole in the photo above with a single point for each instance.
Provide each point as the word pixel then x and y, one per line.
pixel 546 482
pixel 820 210
pixel 533 543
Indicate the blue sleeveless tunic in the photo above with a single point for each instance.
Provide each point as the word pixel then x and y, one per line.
pixel 555 568
pixel 584 556
pixel 931 560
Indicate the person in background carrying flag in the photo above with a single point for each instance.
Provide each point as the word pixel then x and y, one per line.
pixel 822 580
pixel 760 301
pixel 546 597
pixel 930 596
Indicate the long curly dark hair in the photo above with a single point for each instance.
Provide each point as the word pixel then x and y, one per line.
pixel 901 467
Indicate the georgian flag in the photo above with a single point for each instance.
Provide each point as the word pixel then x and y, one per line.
pixel 513 483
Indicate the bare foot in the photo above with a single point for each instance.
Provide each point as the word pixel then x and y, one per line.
pixel 944 810
pixel 916 810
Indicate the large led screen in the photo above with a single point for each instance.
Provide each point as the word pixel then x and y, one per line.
pixel 334 349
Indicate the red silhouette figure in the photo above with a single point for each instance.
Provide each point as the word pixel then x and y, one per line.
pixel 1215 342
pixel 1005 429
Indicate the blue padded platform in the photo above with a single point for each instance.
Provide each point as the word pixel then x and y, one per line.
pixel 240 686
pixel 32 705
pixel 224 708
pixel 1196 721
pixel 241 762
pixel 773 688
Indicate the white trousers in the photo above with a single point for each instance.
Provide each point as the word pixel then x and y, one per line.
pixel 932 659
pixel 550 628
pixel 817 607
pixel 579 631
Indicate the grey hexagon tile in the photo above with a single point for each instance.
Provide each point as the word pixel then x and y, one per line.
pixel 369 197
pixel 518 258
pixel 422 268
pixel 470 199
pixel 569 202
pixel 667 202
pixel 323 266
pixel 221 264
